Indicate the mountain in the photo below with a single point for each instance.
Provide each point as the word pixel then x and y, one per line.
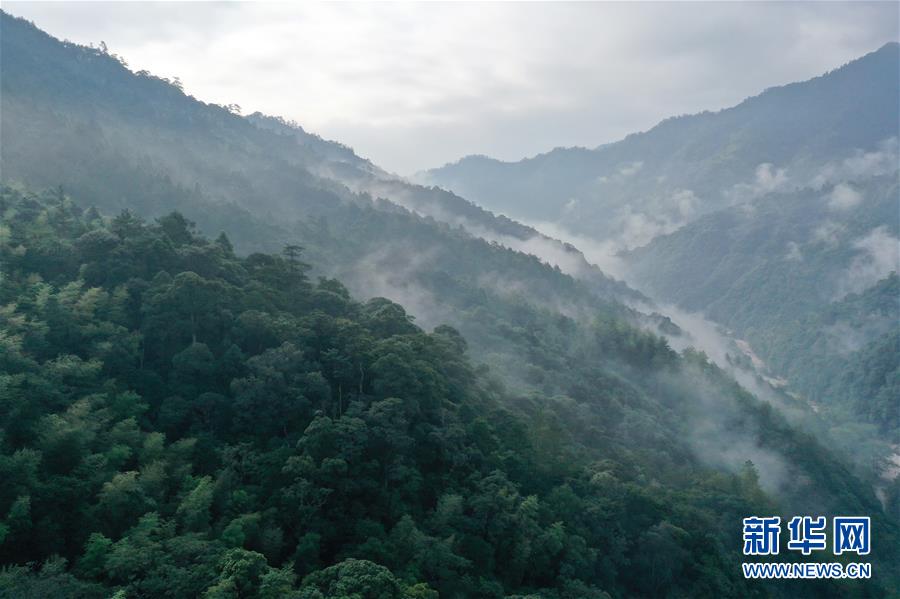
pixel 173 151
pixel 764 217
pixel 204 392
pixel 77 117
pixel 809 278
pixel 181 420
pixel 654 182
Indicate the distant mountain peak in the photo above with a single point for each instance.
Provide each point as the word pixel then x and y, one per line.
pixel 693 164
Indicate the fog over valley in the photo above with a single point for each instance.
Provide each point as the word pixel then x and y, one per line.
pixel 446 300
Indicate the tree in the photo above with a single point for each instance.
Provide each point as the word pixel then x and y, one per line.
pixel 193 511
pixel 352 578
pixel 177 228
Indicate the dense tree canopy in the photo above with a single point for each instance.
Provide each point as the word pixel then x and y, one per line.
pixel 180 421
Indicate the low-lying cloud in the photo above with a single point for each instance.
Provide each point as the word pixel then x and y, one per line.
pixel 768 179
pixel 878 254
pixel 860 165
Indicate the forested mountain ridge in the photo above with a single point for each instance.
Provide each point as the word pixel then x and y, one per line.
pixel 765 262
pixel 140 131
pixel 653 182
pixel 809 277
pixel 180 420
pixel 77 117
pixel 763 217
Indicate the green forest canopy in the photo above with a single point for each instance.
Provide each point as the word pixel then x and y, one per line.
pixel 181 421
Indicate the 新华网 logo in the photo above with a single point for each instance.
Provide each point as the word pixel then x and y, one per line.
pixel 807 534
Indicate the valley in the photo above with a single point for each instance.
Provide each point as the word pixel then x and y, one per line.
pixel 241 360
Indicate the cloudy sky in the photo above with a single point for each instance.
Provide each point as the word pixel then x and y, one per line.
pixel 413 86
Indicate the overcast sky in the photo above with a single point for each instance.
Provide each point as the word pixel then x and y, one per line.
pixel 413 86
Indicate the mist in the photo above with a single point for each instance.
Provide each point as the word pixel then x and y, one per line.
pixel 877 255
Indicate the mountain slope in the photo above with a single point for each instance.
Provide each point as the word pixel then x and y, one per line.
pixel 171 151
pixel 181 420
pixel 761 264
pixel 810 279
pixel 651 183
pixel 762 216
pixel 76 117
